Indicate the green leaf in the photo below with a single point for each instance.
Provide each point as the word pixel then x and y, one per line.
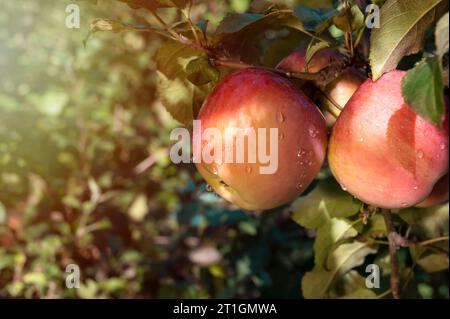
pixel 328 235
pixel 441 36
pixel 235 22
pixel 317 283
pixel 313 49
pixel 324 202
pixel 348 284
pixel 116 26
pixel 200 71
pixel 376 227
pixel 244 36
pixel 283 46
pixel 423 90
pixel 428 260
pixel 402 29
pixel 349 20
pixel 361 294
pixel 314 19
pixel 180 97
pixel 428 222
pixel 155 4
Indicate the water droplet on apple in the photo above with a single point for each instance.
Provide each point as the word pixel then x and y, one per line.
pixel 248 169
pixel 209 188
pixel 420 154
pixel 344 188
pixel 299 186
pixel 280 117
pixel 404 204
pixel 310 163
pixel 416 187
pixel 312 131
pixel 443 146
pixel 281 136
pixel 361 139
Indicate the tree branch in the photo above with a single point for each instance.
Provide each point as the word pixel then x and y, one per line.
pixel 324 76
pixel 393 246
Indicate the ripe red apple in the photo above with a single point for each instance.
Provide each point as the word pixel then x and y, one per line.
pixel 339 91
pixel 255 98
pixel 382 152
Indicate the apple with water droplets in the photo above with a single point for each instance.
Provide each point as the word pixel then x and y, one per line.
pixel 382 152
pixel 255 99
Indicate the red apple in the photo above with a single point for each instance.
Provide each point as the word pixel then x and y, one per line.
pixel 255 98
pixel 382 152
pixel 339 91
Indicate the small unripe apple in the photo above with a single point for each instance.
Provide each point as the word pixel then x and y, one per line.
pixel 259 99
pixel 340 90
pixel 382 152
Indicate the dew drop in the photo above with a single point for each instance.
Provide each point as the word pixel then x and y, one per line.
pixel 442 146
pixel 416 187
pixel 299 186
pixel 344 188
pixel 248 169
pixel 312 131
pixel 404 204
pixel 214 171
pixel 280 117
pixel 310 163
pixel 420 154
pixel 281 136
pixel 361 139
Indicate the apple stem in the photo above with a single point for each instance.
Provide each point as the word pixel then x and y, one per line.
pixel 392 235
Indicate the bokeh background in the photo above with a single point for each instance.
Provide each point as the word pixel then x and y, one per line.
pixel 85 176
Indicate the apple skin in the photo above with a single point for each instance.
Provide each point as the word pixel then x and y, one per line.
pixel 340 90
pixel 261 99
pixel 382 152
pixel 439 194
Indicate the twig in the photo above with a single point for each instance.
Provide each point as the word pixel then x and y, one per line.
pixel 433 240
pixel 392 235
